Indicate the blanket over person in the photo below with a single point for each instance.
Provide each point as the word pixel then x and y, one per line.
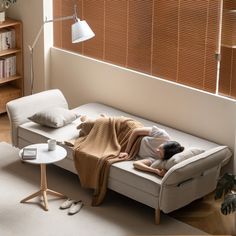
pixel 98 147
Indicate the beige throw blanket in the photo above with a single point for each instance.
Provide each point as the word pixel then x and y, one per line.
pixel 99 147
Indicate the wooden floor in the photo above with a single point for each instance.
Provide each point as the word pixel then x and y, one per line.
pixel 4 129
pixel 203 214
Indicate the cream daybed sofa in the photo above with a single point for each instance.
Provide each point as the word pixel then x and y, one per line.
pixel 182 184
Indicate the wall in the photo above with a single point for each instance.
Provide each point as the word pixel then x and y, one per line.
pixel 31 13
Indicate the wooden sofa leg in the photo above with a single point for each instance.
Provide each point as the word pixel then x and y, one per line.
pixel 157 216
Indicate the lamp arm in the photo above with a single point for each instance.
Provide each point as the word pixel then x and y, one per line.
pixel 60 19
pixel 49 21
pixel 31 47
pixel 74 16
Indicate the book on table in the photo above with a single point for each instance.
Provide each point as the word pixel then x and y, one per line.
pixel 29 153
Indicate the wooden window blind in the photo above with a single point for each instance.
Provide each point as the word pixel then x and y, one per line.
pixel 62 29
pixel 139 35
pixel 116 26
pixel 165 39
pixel 57 26
pixel 172 39
pixel 227 84
pixel 94 13
pixel 212 42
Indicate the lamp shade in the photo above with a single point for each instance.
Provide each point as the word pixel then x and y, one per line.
pixel 81 31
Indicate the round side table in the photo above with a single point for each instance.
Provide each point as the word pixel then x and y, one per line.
pixel 43 158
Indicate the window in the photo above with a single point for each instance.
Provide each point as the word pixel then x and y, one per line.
pixel 227 83
pixel 172 39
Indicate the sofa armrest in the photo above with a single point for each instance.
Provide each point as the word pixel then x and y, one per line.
pixel 192 178
pixel 20 109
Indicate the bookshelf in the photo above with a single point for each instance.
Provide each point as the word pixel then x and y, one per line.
pixel 11 70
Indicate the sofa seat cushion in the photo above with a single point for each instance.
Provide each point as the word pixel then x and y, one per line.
pixel 124 172
pixel 93 110
pixel 35 133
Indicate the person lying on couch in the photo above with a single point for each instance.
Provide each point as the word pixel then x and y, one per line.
pixel 156 144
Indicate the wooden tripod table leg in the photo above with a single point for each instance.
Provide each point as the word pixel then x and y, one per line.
pixel 43 189
pixel 38 193
pixel 54 193
pixel 45 200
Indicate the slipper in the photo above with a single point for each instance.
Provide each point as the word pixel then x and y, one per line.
pixel 67 203
pixel 75 207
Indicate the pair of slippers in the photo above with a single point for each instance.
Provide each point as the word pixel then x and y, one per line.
pixel 74 206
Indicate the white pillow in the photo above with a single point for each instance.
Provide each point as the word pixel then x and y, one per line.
pixel 177 158
pixel 159 164
pixel 54 117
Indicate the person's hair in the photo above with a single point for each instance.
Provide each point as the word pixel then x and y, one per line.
pixel 171 148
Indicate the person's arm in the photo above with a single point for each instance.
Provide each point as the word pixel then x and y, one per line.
pixel 144 131
pixel 145 165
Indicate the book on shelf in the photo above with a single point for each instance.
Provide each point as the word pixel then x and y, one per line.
pixel 29 154
pixel 1 68
pixel 7 66
pixel 7 38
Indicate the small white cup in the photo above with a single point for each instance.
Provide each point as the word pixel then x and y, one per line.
pixel 52 144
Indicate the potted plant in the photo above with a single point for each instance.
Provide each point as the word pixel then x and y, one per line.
pixel 225 187
pixel 4 4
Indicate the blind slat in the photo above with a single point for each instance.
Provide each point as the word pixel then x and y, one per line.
pixel 93 12
pixel 227 84
pixel 225 70
pixel 165 39
pixel 192 39
pixel 233 83
pixel 211 46
pixel 116 31
pixel 57 26
pixel 139 35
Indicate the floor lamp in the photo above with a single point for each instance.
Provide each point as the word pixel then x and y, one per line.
pixel 80 31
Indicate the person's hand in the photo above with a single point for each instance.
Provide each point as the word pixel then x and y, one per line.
pixel 123 155
pixel 161 172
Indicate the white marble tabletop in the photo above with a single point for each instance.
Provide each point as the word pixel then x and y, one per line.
pixel 44 156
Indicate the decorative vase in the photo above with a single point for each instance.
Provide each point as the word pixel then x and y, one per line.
pixel 2 16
